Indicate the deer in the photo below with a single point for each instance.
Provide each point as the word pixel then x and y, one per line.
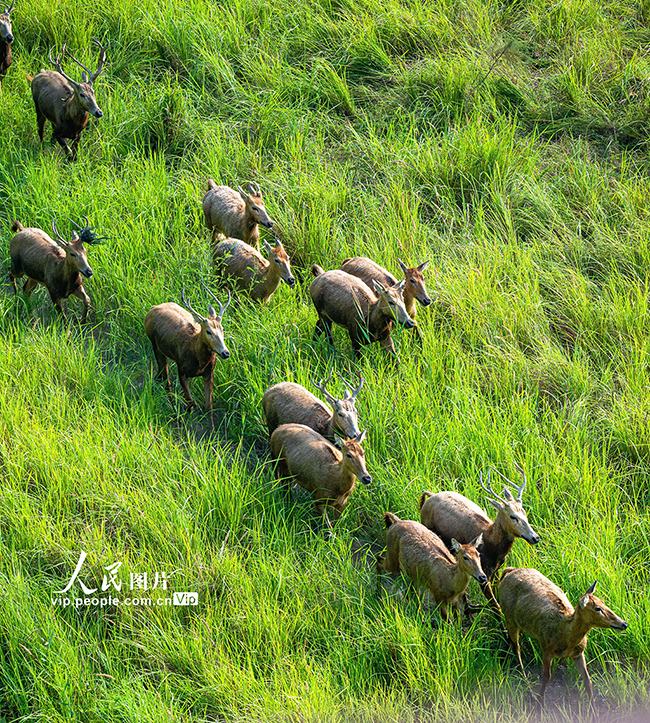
pixel 414 287
pixel 287 403
pixel 413 549
pixel 344 299
pixel 450 515
pixel 328 472
pixel 532 604
pixel 190 339
pixel 64 102
pixel 250 271
pixel 6 39
pixel 235 214
pixel 56 264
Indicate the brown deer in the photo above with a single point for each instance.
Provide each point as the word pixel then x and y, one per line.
pixel 235 214
pixel 191 340
pixel 287 403
pixel 318 466
pixel 64 102
pixel 250 271
pixel 6 39
pixel 344 299
pixel 532 604
pixel 449 514
pixel 58 265
pixel 415 550
pixel 414 286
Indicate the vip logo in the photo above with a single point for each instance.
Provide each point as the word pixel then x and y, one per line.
pixel 185 598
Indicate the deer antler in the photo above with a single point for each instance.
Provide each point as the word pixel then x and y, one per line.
pixel 57 65
pixel 520 490
pixel 321 387
pixel 189 307
pixel 489 489
pixel 57 234
pixel 354 392
pixel 222 308
pixel 102 59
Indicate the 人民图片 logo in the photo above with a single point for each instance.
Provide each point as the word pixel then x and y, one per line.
pixel 110 591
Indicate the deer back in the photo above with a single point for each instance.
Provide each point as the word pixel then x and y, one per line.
pixel 241 262
pixel 343 298
pixel 289 403
pixel 315 462
pixel 367 270
pixel 451 515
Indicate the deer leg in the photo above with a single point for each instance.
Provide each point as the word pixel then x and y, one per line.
pixel 418 333
pixel 581 665
pixel 323 325
pixel 486 588
pixel 321 509
pixel 546 676
pixel 58 303
pixel 513 639
pixel 185 386
pixel 29 286
pixel 163 366
pixel 75 143
pixel 388 345
pixel 40 119
pixel 80 293
pixel 208 385
pixel 61 141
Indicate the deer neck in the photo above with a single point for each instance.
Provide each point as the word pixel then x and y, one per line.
pixel 457 580
pixel 5 52
pixel 380 317
pixel 202 352
pixel 496 545
pixel 74 110
pixel 576 628
pixel 347 477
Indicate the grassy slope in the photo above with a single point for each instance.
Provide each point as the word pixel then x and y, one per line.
pixel 364 125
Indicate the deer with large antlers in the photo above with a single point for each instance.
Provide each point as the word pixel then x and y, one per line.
pixel 64 102
pixel 289 403
pixel 6 39
pixel 190 339
pixel 57 264
pixel 451 515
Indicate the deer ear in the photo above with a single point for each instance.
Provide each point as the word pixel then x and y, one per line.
pixel 495 503
pixel 423 266
pixel 402 265
pixel 211 311
pixel 592 587
pixel 478 540
pixel 583 601
pixel 338 441
pixel 379 287
pixel 267 246
pixel 455 545
pixel 244 195
pixel 361 436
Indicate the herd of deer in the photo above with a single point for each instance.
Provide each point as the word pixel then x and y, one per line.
pixel 316 447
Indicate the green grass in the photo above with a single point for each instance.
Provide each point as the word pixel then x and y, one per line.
pixel 383 129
